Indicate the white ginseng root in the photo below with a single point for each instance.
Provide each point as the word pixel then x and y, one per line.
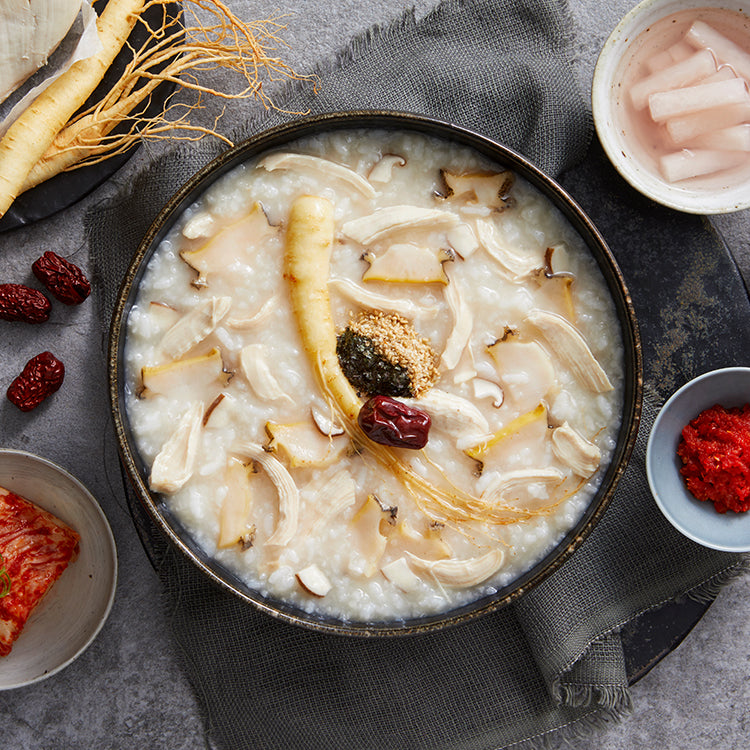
pixel 35 129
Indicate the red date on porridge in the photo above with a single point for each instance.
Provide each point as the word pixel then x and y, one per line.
pixel 390 422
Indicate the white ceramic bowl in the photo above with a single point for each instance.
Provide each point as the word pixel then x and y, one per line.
pixel 695 519
pixel 72 613
pixel 604 99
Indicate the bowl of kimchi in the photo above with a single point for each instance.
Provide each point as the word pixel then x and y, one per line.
pixel 51 527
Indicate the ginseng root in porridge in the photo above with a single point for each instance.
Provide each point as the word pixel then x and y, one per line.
pixel 375 374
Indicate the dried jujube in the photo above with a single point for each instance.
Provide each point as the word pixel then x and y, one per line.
pixel 390 422
pixel 19 302
pixel 40 378
pixel 65 280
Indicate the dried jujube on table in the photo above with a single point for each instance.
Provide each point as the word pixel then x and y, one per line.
pixel 40 378
pixel 65 280
pixel 19 302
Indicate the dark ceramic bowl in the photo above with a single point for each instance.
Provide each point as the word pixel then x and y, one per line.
pixel 138 472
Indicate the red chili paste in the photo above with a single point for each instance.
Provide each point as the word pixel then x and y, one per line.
pixel 715 452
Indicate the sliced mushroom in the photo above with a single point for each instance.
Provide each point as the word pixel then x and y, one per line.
pixel 304 445
pixel 428 544
pixel 382 170
pixel 256 318
pixel 401 575
pixel 286 160
pixel 201 224
pixel 463 323
pixel 536 415
pixel 452 414
pixel 461 573
pixel 514 266
pixel 193 327
pixel 391 219
pixel 235 528
pixel 509 481
pixel 285 487
pixel 255 368
pixel 525 370
pixel 488 188
pixel 325 421
pixel 314 580
pixel 367 298
pixel 220 411
pixel 407 263
pixel 487 389
pixel 198 372
pixel 174 463
pixel 570 447
pixel 229 245
pixel 369 541
pixel 569 345
pixel 560 281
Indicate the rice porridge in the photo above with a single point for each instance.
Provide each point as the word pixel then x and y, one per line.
pixel 374 374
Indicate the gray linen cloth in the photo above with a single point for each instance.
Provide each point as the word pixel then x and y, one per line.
pixel 550 666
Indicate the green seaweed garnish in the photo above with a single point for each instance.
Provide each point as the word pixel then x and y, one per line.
pixel 368 370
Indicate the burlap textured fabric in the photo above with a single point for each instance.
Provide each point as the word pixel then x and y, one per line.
pixel 551 664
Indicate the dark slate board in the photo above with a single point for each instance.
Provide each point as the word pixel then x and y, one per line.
pixel 693 309
pixel 690 300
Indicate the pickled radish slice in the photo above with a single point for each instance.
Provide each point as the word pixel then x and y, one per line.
pixel 693 69
pixel 729 139
pixel 683 129
pixel 664 105
pixel 676 53
pixel 724 73
pixel 684 164
pixel 705 36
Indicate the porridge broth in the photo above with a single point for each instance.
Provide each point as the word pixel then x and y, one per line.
pixel 255 460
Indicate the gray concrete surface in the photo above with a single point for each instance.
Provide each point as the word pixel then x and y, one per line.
pixel 127 691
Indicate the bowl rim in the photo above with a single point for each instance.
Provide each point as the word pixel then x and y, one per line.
pixel 651 474
pixel 385 120
pixel 636 20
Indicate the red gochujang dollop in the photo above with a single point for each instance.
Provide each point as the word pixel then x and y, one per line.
pixel 715 452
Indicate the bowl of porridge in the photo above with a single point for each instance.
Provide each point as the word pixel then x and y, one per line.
pixel 374 374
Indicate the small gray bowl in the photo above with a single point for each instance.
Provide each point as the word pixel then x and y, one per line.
pixel 697 520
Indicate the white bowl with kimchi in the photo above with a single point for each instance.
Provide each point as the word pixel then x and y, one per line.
pixel 44 627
